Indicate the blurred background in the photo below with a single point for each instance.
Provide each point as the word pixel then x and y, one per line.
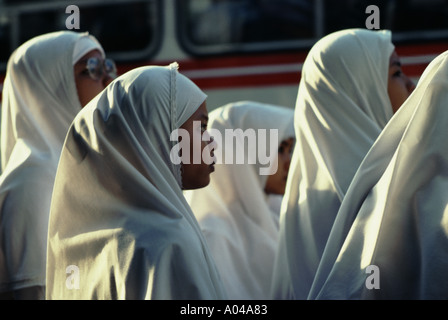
pixel 233 49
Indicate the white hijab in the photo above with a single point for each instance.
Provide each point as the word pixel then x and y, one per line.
pixel 39 103
pixel 342 106
pixel 118 215
pixel 395 213
pixel 233 211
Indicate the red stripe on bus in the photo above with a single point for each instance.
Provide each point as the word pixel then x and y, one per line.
pixel 241 61
pixel 421 49
pixel 223 62
pixel 272 59
pixel 277 79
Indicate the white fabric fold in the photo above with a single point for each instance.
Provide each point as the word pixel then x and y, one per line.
pixel 118 214
pixel 395 213
pixel 342 106
pixel 233 211
pixel 39 103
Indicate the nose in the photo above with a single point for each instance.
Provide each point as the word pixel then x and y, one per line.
pixel 107 80
pixel 287 162
pixel 410 86
pixel 213 144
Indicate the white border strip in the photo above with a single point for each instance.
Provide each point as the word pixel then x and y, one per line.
pixel 243 71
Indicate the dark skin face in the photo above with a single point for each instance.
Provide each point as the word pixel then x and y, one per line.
pixel 276 183
pixel 195 176
pixel 87 87
pixel 399 86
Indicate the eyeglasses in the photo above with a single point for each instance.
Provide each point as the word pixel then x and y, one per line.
pixel 97 68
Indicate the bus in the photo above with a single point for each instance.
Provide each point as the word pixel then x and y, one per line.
pixel 232 49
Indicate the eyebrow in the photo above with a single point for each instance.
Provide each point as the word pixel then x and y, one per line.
pixel 81 64
pixel 204 116
pixel 84 61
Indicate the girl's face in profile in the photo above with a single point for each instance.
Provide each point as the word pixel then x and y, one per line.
pixel 86 86
pixel 399 86
pixel 195 176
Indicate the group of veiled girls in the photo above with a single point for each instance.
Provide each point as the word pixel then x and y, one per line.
pixel 92 205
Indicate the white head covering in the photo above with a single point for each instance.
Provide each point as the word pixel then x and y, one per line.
pixel 39 103
pixel 233 210
pixel 85 45
pixel 395 213
pixel 341 108
pixel 118 215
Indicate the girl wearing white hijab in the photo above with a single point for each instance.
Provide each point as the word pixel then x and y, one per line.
pixel 394 216
pixel 233 211
pixel 45 84
pixel 351 84
pixel 119 223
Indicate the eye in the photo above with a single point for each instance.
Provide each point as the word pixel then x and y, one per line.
pixel 282 148
pixel 397 73
pixel 204 126
pixel 286 147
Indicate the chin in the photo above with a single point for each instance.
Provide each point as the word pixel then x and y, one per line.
pixel 280 192
pixel 198 184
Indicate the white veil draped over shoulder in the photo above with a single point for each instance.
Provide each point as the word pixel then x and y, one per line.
pixel 342 106
pixel 395 213
pixel 118 213
pixel 39 103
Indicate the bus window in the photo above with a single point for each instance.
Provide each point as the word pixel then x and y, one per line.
pixel 217 26
pixel 128 30
pixel 409 20
pixel 123 27
pixel 232 26
pixel 421 15
pixel 5 37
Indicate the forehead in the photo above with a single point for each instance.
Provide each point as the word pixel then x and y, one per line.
pixel 394 57
pixel 289 140
pixel 201 112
